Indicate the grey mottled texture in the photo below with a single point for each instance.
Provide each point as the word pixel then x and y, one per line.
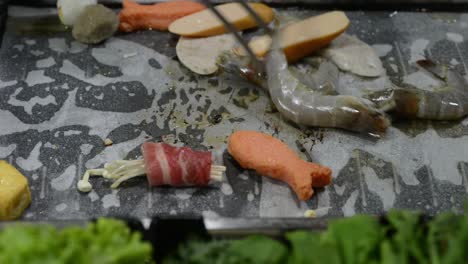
pixel 131 88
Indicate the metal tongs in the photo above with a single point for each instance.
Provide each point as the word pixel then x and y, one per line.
pixel 256 63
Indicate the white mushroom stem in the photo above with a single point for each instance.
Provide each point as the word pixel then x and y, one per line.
pixel 216 172
pixel 122 170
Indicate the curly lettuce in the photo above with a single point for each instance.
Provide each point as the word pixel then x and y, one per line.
pixel 106 241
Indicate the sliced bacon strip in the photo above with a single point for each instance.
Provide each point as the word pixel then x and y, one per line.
pixel 176 166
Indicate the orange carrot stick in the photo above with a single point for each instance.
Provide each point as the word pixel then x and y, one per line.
pixel 271 157
pixel 158 16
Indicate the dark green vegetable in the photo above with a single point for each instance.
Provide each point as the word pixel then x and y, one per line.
pixel 252 250
pixel 403 238
pixel 306 248
pixel 255 249
pixel 406 238
pixel 448 239
pixel 104 242
pixel 349 240
pixel 356 239
pixel 198 252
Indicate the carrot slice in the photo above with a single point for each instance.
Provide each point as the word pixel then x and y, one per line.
pixel 271 157
pixel 158 16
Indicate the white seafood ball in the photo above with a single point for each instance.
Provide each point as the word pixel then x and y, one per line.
pixel 69 10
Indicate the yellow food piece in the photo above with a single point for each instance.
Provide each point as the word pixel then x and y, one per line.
pixel 108 142
pixel 310 214
pixel 304 37
pixel 206 24
pixel 15 196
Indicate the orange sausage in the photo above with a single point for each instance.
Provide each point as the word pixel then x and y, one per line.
pixel 271 157
pixel 158 16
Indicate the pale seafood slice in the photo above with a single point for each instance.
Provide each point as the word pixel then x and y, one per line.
pixel 353 55
pixel 200 54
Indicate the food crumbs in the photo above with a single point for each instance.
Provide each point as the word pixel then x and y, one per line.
pixel 108 142
pixel 310 214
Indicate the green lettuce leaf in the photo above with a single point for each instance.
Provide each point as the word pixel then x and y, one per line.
pixel 251 250
pixel 447 239
pixel 306 248
pixel 406 237
pixel 356 239
pixel 105 242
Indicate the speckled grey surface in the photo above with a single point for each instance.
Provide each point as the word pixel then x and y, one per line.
pixel 60 99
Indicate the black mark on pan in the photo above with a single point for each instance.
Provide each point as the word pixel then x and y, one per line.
pixel 183 97
pixel 155 64
pixel 213 81
pixel 124 97
pixel 167 97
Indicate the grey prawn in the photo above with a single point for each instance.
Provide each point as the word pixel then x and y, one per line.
pixel 448 102
pixel 309 107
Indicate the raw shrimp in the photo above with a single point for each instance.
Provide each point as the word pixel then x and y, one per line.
pixel 307 107
pixel 321 75
pixel 362 72
pixel 449 102
pixel 377 90
pixel 316 72
pixel 240 65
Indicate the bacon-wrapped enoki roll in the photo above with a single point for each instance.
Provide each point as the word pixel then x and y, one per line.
pixel 162 164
